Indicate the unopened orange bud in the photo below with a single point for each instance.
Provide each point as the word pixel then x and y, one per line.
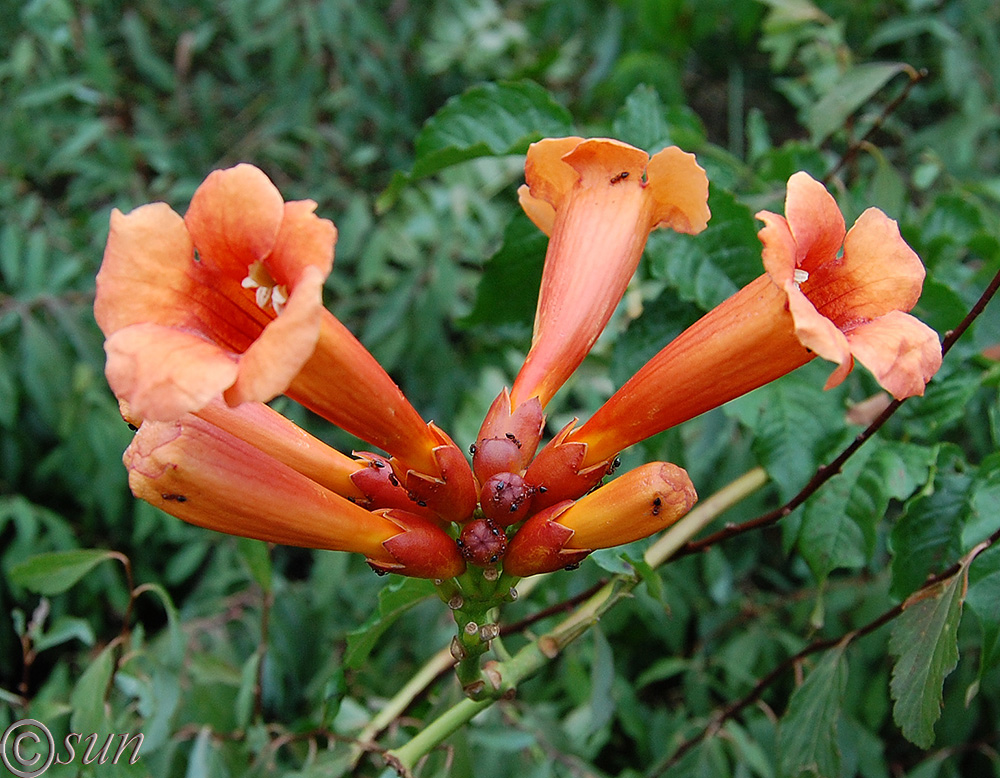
pixel 634 506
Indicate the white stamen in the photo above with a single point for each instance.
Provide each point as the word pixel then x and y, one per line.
pixel 267 292
pixel 800 276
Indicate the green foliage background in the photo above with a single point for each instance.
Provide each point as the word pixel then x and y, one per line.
pixel 407 122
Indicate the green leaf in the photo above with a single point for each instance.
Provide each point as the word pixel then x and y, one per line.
pixel 928 535
pixel 713 265
pixel 983 599
pixel 853 89
pixel 393 601
pixel 87 698
pixel 55 572
pixel 807 734
pixel 925 641
pixel 646 123
pixel 839 522
pixel 257 557
pixel 794 421
pixel 246 693
pixel 491 120
pixel 507 292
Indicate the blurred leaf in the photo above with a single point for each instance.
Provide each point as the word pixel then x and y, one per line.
pixel 57 571
pixel 64 629
pixel 713 265
pixel 925 641
pixel 983 599
pixel 90 692
pixel 807 734
pixel 257 556
pixel 507 292
pixel 855 87
pixel 393 601
pixel 247 691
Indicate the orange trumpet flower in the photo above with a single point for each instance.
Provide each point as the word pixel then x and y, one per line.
pixel 813 300
pixel 598 200
pixel 228 300
pixel 207 476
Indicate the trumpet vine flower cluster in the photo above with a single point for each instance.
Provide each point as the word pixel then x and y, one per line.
pixel 210 315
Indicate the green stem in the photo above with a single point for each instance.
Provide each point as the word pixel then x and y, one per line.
pixel 534 656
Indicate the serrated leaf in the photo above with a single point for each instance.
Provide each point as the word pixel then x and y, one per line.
pixel 490 120
pixel 829 538
pixel 55 572
pixel 925 641
pixel 853 89
pixel 393 601
pixel 713 265
pixel 807 734
pixel 646 123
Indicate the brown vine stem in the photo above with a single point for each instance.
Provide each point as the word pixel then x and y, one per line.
pixel 735 708
pixel 828 471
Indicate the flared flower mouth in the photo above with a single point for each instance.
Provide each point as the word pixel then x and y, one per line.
pixel 598 200
pixel 226 300
pixel 852 303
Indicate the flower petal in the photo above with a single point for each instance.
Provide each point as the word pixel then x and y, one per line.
pixel 548 176
pixel 818 334
pixel 815 221
pixel 541 212
pixel 164 372
pixel 234 219
pixel 878 273
pixel 779 248
pixel 272 361
pixel 679 187
pixel 304 241
pixel 902 352
pixel 144 270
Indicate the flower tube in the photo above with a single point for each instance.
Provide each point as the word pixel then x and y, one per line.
pixel 204 475
pixel 633 506
pixel 813 300
pixel 598 200
pixel 228 300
